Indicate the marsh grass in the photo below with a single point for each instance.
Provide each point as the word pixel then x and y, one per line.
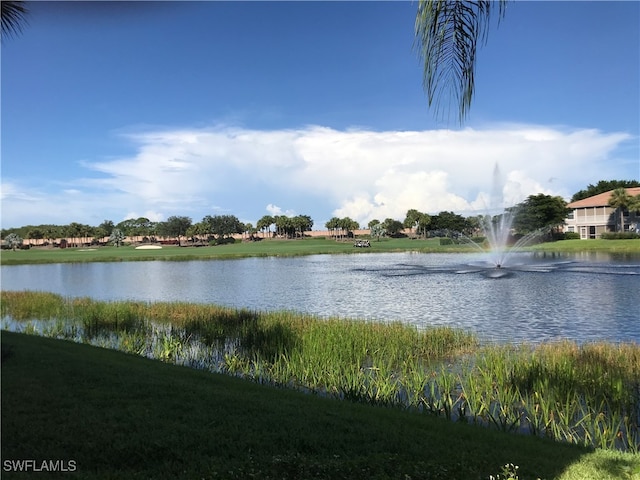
pixel 586 394
pixel 32 305
pixel 583 394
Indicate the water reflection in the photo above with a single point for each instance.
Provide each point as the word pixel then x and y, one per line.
pixel 584 297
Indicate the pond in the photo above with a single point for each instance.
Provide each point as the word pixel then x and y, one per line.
pixel 582 298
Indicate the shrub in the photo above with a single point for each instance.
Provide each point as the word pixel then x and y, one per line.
pixel 619 235
pixel 222 241
pixel 572 236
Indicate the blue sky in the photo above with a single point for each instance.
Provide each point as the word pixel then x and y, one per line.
pixel 129 109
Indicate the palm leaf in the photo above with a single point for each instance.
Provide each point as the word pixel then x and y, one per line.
pixel 447 33
pixel 14 14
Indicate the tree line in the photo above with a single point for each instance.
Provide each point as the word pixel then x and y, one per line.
pixel 217 228
pixel 536 212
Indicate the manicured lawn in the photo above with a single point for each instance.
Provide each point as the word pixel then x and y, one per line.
pixel 120 416
pixel 596 245
pixel 262 248
pixel 310 246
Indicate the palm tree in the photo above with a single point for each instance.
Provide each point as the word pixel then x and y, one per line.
pixel 264 224
pixel 35 234
pixel 51 233
pixel 332 225
pixel 248 230
pixel 377 230
pixel 620 200
pixel 411 220
pixel 447 33
pixel 116 237
pixel 13 241
pixel 14 16
pixel 423 223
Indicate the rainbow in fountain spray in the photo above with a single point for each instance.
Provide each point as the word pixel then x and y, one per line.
pixel 501 245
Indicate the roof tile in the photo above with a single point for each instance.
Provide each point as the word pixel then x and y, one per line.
pixel 602 199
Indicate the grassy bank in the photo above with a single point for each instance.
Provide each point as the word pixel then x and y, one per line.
pixel 587 394
pixel 120 416
pixel 311 246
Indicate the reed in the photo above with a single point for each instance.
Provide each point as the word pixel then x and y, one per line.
pixel 586 394
pixel 414 382
pixel 133 342
pixel 473 396
pixel 31 305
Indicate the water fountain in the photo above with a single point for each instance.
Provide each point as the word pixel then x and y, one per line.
pixel 498 234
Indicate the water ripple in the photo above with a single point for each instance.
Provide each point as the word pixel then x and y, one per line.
pixel 584 299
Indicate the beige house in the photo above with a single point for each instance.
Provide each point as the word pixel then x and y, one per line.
pixel 591 217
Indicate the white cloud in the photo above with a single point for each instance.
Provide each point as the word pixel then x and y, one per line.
pixel 25 205
pixel 362 174
pixel 276 210
pixel 11 191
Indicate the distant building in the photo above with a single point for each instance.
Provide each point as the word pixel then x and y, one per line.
pixel 591 217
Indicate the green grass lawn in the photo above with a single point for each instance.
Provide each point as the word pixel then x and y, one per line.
pixel 596 245
pixel 121 416
pixel 308 246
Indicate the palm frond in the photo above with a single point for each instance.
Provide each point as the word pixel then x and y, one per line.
pixel 447 33
pixel 14 16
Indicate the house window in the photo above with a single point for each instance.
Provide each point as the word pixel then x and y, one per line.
pixel 570 228
pixel 570 216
